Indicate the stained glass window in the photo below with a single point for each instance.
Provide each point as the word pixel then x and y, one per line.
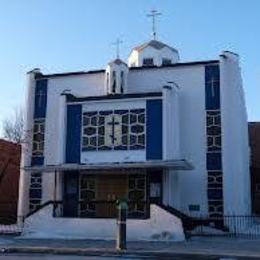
pixel 137 195
pixel 35 191
pixel 113 130
pixel 214 130
pixel 38 138
pixel 87 194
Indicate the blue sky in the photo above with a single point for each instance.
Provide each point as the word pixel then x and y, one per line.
pixel 71 35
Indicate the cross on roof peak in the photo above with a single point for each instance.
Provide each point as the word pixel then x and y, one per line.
pixel 154 13
pixel 117 44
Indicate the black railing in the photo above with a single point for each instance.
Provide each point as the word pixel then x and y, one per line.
pixel 232 226
pixel 99 209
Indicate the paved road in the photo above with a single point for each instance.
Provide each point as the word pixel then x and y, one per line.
pixel 70 257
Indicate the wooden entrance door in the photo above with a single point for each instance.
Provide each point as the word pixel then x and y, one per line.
pixel 109 189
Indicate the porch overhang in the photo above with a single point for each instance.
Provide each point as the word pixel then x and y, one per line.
pixel 153 164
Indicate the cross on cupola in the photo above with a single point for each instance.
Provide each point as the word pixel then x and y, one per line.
pixel 154 14
pixel 117 44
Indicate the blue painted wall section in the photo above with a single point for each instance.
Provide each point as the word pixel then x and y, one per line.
pixel 40 100
pixel 212 87
pixel 214 141
pixel 154 130
pixel 73 137
pixel 71 194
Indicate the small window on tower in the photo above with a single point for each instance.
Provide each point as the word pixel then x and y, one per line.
pixel 114 83
pixel 166 61
pixel 148 62
pixel 122 82
pixel 107 82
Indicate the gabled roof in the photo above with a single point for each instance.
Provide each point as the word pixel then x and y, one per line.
pixel 117 62
pixel 155 44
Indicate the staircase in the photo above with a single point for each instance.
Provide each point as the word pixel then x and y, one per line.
pixel 189 223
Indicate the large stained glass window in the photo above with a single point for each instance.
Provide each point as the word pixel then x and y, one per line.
pixel 113 130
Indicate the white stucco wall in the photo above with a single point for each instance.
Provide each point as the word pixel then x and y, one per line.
pixel 160 226
pixel 183 188
pixel 190 186
pixel 81 85
pixel 135 58
pixel 235 148
pixel 192 134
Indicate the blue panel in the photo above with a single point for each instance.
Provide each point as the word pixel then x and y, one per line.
pixel 71 194
pixel 37 160
pixel 35 193
pixel 40 100
pixel 73 137
pixel 214 161
pixel 154 129
pixel 212 87
pixel 215 194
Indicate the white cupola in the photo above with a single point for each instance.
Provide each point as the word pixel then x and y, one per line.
pixel 153 53
pixel 116 77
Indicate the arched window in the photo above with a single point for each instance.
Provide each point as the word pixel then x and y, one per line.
pixel 107 83
pixel 114 82
pixel 122 82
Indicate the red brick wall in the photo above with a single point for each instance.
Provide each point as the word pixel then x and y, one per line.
pixel 10 155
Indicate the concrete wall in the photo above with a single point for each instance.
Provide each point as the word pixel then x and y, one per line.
pixel 188 187
pixel 183 187
pixel 235 146
pixel 160 226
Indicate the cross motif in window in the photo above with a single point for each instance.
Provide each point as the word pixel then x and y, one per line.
pixel 41 96
pixel 113 124
pixel 213 84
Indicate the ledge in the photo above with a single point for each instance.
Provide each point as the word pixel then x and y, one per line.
pixel 155 164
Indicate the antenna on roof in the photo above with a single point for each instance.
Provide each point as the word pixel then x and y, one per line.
pixel 153 14
pixel 117 44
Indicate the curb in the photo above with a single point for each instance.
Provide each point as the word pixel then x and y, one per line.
pixel 114 252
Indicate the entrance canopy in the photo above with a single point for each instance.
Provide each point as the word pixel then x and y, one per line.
pixel 156 164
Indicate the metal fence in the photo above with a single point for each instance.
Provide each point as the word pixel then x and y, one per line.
pixel 232 226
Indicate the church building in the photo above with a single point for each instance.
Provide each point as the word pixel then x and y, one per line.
pixel 167 136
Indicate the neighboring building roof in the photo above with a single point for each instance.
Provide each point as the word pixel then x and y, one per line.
pixel 180 64
pixel 118 62
pixel 254 141
pixel 155 44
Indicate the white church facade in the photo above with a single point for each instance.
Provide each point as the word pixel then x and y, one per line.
pixel 170 137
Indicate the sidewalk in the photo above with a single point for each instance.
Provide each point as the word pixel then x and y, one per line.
pixel 211 246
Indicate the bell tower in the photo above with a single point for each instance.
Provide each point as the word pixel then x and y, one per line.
pixel 116 74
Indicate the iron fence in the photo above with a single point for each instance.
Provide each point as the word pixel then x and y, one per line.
pixel 232 226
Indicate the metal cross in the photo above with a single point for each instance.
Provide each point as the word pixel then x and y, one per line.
pixel 117 43
pixel 153 14
pixel 41 96
pixel 213 86
pixel 113 123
